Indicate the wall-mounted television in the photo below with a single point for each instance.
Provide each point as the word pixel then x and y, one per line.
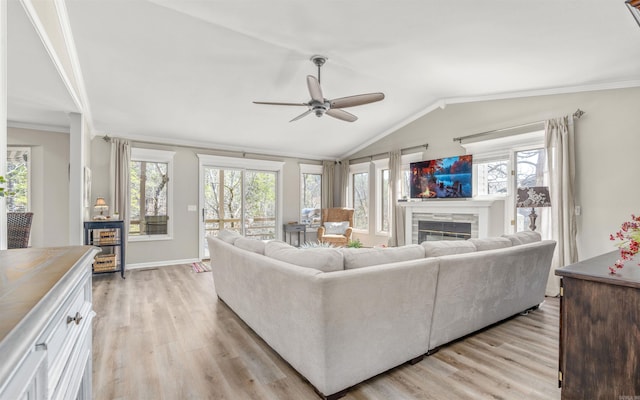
pixel 449 177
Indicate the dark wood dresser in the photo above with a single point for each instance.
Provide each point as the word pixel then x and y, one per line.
pixel 600 330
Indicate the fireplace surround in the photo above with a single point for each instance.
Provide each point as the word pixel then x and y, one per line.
pixel 473 218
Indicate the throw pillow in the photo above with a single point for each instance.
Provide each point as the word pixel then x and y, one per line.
pixel 336 228
pixel 323 259
pixel 439 248
pixel 254 245
pixel 229 236
pixel 491 243
pixel 359 258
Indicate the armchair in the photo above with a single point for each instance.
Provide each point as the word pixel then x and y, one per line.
pixel 18 229
pixel 337 234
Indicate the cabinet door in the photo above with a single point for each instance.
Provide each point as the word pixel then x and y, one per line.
pixel 30 381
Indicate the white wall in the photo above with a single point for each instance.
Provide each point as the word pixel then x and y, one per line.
pixel 49 184
pixel 607 143
pixel 184 245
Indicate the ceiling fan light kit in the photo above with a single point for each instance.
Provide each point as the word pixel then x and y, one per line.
pixel 320 106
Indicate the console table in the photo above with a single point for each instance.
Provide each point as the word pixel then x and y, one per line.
pixel 46 323
pixel 599 337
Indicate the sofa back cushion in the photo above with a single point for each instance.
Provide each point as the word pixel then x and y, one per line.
pixel 491 243
pixel 321 258
pixel 229 236
pixel 255 245
pixel 439 248
pixel 358 258
pixel 523 237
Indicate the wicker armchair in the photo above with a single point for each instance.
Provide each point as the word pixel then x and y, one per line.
pixel 336 215
pixel 18 229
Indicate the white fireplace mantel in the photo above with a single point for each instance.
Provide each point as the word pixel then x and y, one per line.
pixel 481 208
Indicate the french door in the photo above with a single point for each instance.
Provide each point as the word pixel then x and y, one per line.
pixel 240 199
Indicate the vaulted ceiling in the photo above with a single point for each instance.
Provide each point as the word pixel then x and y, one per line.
pixel 187 72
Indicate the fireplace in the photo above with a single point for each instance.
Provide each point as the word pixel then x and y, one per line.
pixel 452 219
pixel 443 226
pixel 443 230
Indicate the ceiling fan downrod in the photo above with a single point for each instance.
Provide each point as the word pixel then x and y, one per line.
pixel 319 62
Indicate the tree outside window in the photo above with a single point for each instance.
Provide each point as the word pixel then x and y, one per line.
pixel 149 198
pixel 18 165
pixel 360 197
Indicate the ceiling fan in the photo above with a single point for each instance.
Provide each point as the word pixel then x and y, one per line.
pixel 320 106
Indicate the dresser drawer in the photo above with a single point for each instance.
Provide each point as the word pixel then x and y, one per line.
pixel 62 333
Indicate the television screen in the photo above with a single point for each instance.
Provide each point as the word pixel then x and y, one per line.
pixel 442 178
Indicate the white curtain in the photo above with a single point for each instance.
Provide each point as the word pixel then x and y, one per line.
pixel 328 175
pixel 119 180
pixel 397 218
pixel 559 144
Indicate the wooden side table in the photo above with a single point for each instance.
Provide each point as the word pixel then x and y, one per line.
pixel 295 228
pixel 599 339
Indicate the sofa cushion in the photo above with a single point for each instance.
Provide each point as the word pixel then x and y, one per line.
pixel 491 243
pixel 229 236
pixel 523 237
pixel 336 228
pixel 321 258
pixel 439 248
pixel 255 245
pixel 358 258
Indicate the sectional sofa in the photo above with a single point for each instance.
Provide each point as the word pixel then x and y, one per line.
pixel 341 316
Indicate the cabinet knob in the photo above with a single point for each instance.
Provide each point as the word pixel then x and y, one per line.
pixel 75 319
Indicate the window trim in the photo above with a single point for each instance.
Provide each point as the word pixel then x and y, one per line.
pixel 158 156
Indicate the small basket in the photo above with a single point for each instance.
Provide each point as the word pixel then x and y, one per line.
pixel 107 237
pixel 104 263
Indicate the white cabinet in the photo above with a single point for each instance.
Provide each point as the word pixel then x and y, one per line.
pixel 46 323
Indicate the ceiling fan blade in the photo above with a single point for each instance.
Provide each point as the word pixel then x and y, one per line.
pixel 279 104
pixel 357 100
pixel 304 114
pixel 314 88
pixel 341 114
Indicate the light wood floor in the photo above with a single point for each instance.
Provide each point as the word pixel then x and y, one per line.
pixel 162 334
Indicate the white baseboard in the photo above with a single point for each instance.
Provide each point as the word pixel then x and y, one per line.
pixel 167 263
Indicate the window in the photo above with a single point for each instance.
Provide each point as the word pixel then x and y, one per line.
pixel 240 194
pixel 310 194
pixel 150 194
pixel 18 178
pixel 492 177
pixel 359 185
pixel 383 201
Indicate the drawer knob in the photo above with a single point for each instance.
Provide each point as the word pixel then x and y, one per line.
pixel 77 318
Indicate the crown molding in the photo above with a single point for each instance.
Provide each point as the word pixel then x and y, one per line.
pixel 38 127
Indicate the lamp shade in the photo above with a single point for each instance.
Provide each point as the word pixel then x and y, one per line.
pixel 534 196
pixel 100 202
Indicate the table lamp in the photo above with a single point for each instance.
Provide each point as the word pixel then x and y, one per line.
pixel 101 207
pixel 534 196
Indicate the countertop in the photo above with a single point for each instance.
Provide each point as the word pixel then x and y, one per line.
pixel 32 284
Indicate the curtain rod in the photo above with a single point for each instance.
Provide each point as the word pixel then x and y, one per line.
pixel 579 113
pixel 426 146
pixel 243 154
